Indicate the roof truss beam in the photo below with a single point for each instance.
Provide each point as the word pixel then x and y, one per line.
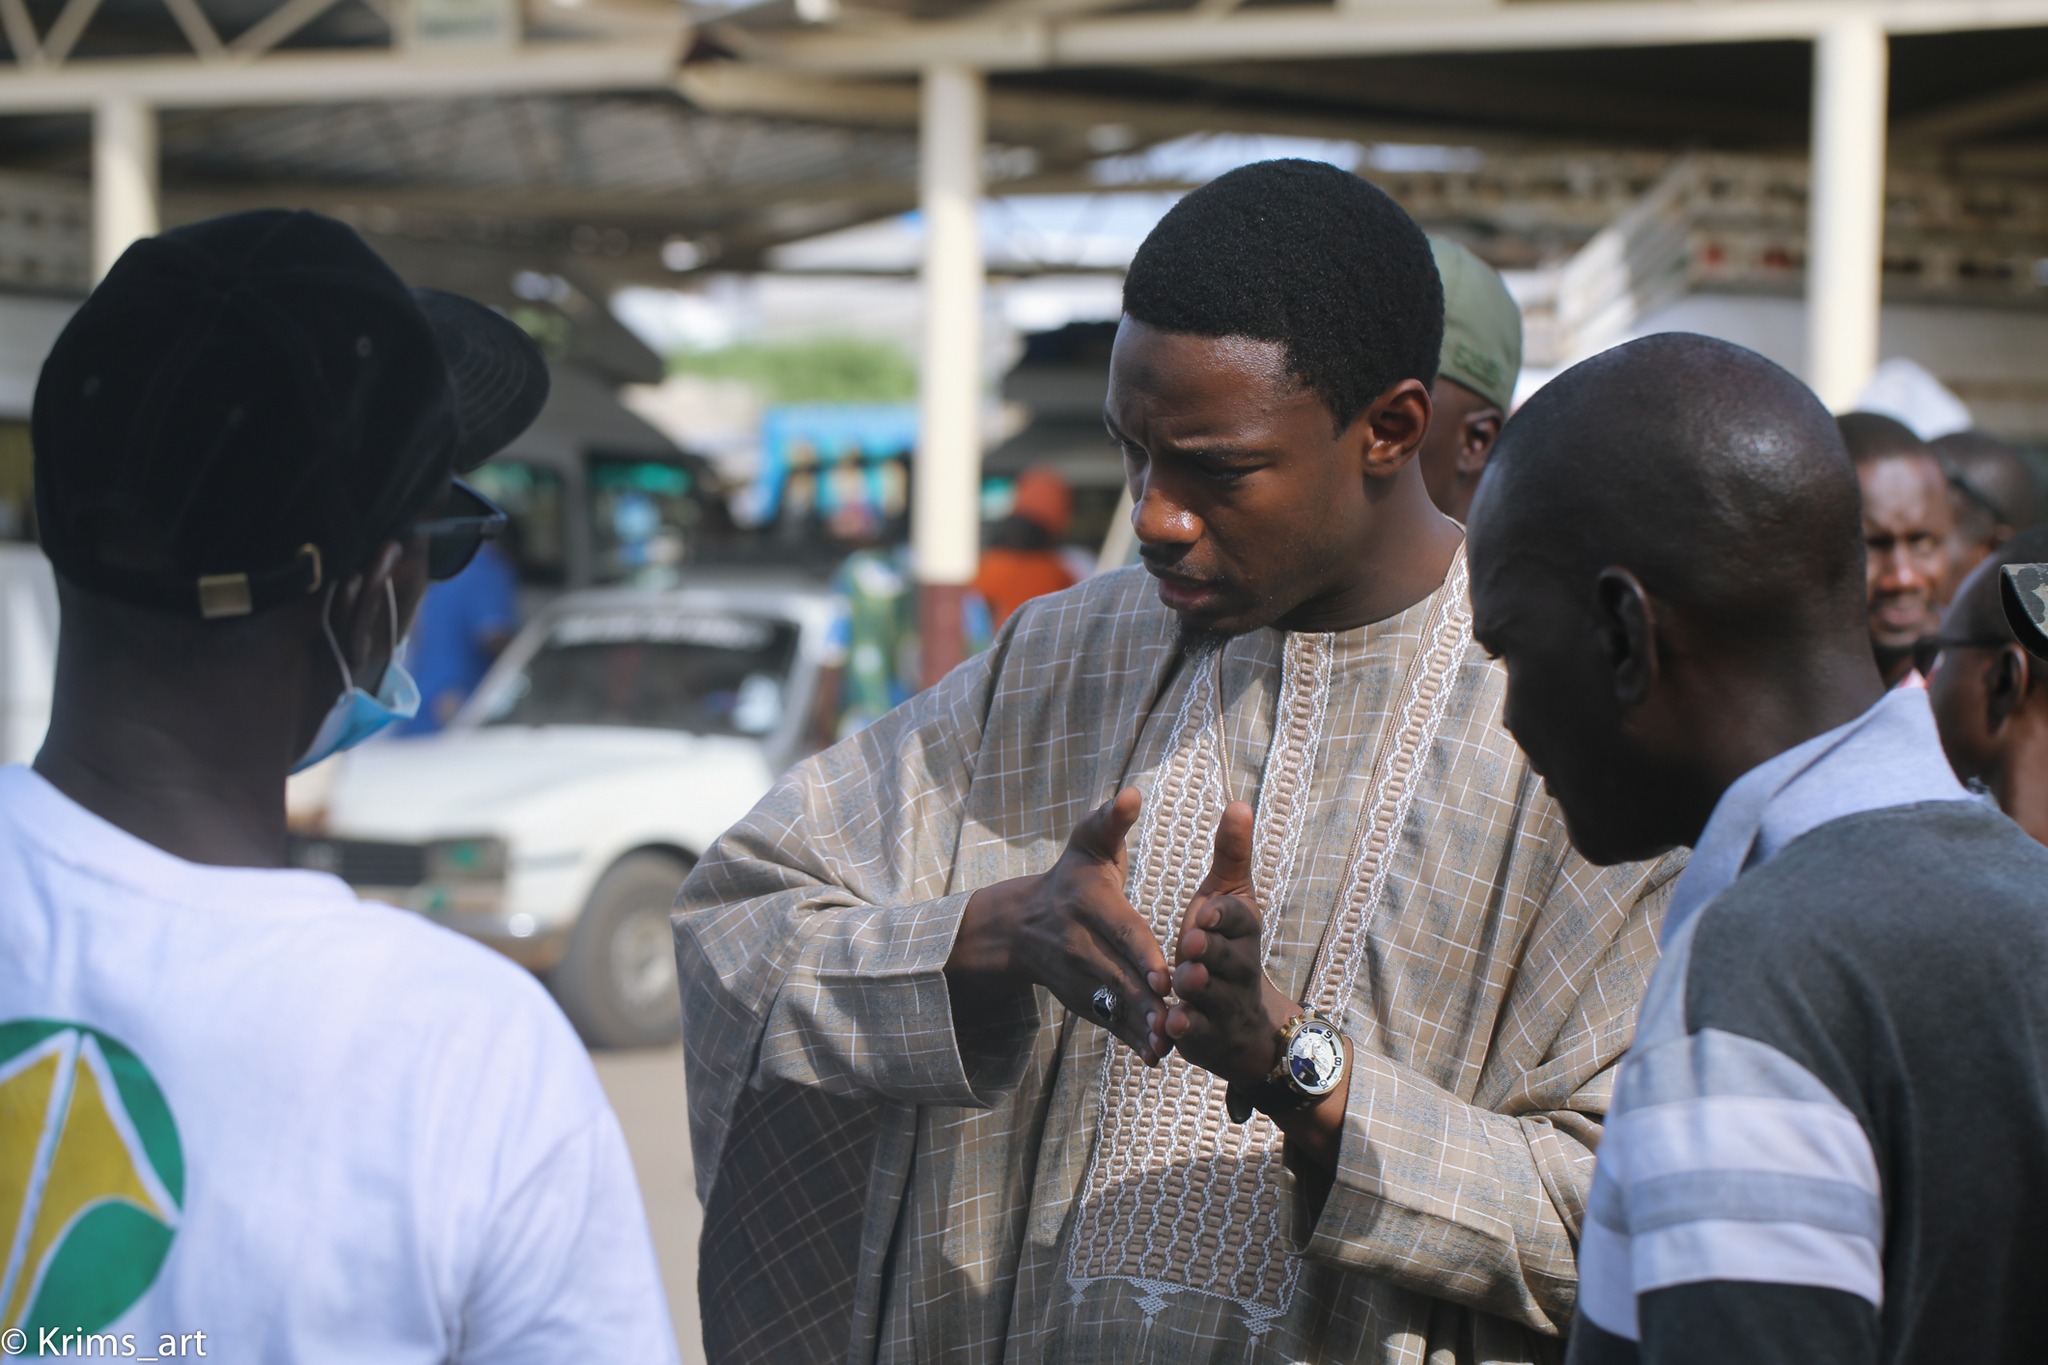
pixel 197 28
pixel 1442 89
pixel 278 25
pixel 1045 9
pixel 284 78
pixel 69 28
pixel 697 208
pixel 1040 116
pixel 1310 31
pixel 21 33
pixel 1984 114
pixel 641 53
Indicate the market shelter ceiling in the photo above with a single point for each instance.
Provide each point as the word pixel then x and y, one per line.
pixel 1967 77
pixel 612 141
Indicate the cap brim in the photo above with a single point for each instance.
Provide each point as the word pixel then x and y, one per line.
pixel 2020 591
pixel 500 377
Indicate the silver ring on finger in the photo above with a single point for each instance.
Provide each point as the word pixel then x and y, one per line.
pixel 1107 1004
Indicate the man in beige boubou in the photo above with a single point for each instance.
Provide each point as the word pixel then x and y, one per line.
pixel 1201 974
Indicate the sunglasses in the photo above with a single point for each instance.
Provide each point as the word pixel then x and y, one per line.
pixel 1928 649
pixel 458 529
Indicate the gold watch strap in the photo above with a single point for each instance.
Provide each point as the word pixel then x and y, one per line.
pixel 1279 1074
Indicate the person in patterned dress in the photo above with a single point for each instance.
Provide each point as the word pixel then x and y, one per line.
pixel 1200 974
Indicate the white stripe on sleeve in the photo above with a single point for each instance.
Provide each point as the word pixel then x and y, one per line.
pixel 1724 1159
pixel 1767 1253
pixel 1821 1141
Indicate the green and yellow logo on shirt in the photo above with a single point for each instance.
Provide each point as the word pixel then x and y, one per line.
pixel 92 1178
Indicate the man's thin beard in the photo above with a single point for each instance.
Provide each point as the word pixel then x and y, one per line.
pixel 1199 642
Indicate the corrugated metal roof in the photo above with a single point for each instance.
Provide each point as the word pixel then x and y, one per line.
pixel 601 190
pixel 601 181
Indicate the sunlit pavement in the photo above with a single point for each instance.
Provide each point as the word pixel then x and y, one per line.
pixel 646 1089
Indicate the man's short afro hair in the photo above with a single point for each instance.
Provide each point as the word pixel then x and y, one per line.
pixel 1307 255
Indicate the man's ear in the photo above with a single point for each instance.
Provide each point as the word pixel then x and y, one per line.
pixel 362 611
pixel 1395 423
pixel 2005 686
pixel 1626 621
pixel 1476 436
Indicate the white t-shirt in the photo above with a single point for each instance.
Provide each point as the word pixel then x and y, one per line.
pixel 240 1102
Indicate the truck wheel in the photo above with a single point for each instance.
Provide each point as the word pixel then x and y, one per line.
pixel 617 982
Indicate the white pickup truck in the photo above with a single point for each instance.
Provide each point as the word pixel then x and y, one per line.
pixel 28 650
pixel 557 815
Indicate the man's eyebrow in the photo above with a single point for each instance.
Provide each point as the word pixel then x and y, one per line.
pixel 1226 452
pixel 1212 452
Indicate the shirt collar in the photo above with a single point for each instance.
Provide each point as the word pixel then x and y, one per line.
pixel 1888 756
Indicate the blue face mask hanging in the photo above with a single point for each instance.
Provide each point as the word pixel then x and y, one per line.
pixel 356 715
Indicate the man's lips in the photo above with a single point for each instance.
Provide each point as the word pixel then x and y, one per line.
pixel 1181 592
pixel 1900 613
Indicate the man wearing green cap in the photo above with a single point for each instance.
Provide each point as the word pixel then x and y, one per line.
pixel 1475 380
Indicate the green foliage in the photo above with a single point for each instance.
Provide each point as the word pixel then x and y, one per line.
pixel 821 369
pixel 549 329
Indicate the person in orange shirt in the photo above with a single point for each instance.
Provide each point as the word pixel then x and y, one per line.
pixel 1023 560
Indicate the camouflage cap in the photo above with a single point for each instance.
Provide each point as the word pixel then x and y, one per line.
pixel 1482 325
pixel 2023 591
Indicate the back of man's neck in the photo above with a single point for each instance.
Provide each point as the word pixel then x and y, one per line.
pixel 167 792
pixel 1762 713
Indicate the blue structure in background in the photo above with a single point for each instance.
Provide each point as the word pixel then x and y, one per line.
pixel 821 437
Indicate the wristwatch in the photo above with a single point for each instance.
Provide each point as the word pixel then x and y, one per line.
pixel 1311 1065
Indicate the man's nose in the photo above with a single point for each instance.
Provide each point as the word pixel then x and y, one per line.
pixel 1896 571
pixel 1158 519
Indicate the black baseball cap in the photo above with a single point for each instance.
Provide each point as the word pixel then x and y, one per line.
pixel 245 408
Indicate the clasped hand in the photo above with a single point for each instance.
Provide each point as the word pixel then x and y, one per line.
pixel 1228 1016
pixel 1072 930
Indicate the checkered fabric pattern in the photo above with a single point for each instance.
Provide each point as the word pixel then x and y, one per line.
pixel 879 1187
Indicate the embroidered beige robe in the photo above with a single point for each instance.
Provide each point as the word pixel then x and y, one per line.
pixel 878 1187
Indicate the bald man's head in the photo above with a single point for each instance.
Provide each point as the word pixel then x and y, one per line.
pixel 1712 474
pixel 1992 492
pixel 1976 611
pixel 1995 480
pixel 1661 529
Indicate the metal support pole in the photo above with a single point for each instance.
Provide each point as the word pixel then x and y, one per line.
pixel 1845 213
pixel 124 177
pixel 946 474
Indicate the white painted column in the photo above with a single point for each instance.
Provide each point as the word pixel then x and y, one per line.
pixel 1845 213
pixel 945 526
pixel 124 177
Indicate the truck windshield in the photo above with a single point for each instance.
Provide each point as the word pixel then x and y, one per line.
pixel 709 675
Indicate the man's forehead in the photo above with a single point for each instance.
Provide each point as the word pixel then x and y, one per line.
pixel 1908 469
pixel 1189 370
pixel 1903 485
pixel 1519 571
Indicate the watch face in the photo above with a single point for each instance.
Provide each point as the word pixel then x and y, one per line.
pixel 1315 1057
